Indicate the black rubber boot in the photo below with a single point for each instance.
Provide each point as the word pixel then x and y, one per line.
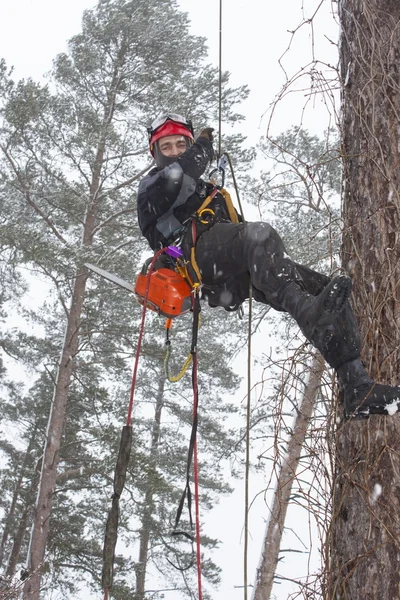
pixel 364 397
pixel 328 321
pixel 316 315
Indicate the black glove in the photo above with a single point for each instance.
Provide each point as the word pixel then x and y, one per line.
pixel 207 132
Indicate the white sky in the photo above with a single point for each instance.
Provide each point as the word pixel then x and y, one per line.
pixel 255 36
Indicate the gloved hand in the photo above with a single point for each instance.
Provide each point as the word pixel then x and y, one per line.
pixel 207 132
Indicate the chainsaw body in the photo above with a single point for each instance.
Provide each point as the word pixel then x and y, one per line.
pixel 169 293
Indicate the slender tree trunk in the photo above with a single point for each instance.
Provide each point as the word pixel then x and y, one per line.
pixel 365 543
pixel 145 530
pixel 55 431
pixel 283 490
pixel 58 411
pixel 15 554
pixel 16 496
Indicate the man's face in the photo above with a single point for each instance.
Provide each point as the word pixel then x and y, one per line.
pixel 172 145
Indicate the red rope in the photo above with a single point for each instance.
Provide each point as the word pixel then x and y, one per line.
pixel 136 364
pixel 196 494
pixel 195 393
pixel 196 468
pixel 140 338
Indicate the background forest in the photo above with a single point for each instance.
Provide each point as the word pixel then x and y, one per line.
pixel 72 150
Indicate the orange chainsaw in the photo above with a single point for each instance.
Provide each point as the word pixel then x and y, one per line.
pixel 169 293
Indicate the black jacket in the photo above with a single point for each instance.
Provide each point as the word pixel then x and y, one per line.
pixel 168 197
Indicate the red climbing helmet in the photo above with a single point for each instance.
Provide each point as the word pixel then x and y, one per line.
pixel 169 124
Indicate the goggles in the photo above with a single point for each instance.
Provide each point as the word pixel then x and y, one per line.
pixel 175 118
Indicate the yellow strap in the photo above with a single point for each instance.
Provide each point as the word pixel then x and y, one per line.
pixel 207 201
pixel 229 204
pixel 194 264
pixel 175 378
pixel 181 267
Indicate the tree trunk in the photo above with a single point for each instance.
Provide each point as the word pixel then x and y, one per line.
pixel 58 411
pixel 16 496
pixel 57 416
pixel 15 554
pixel 365 543
pixel 283 491
pixel 148 510
pixel 55 429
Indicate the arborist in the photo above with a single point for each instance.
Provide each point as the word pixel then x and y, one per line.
pixel 228 254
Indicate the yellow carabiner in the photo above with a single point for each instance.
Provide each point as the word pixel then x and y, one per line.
pixel 207 211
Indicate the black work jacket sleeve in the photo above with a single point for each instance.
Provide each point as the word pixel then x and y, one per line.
pixel 166 197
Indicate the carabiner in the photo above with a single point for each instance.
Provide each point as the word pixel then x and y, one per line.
pixel 221 167
pixel 208 216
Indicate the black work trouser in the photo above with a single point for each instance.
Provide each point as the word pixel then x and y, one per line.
pixel 231 255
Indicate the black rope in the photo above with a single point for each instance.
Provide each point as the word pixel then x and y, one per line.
pixel 187 492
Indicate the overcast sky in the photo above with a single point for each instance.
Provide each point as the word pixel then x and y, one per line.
pixel 258 50
pixel 255 36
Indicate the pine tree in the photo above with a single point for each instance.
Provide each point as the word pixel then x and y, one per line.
pixel 365 532
pixel 72 153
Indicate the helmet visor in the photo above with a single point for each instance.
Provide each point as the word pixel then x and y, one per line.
pixel 162 119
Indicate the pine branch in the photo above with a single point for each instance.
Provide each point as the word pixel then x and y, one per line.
pixel 29 199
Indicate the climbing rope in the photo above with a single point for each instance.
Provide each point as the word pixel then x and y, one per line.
pixel 192 453
pixel 220 81
pixel 248 404
pixel 111 532
pixel 140 338
pixel 248 408
pixel 247 464
pixel 196 311
pixel 126 436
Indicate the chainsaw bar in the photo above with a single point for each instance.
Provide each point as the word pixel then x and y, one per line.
pixel 111 277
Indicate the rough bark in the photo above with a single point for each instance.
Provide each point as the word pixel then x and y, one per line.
pixel 283 491
pixel 365 543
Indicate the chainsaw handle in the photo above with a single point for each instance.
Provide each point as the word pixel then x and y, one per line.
pixel 146 265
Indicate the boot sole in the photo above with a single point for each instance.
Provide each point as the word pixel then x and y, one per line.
pixel 365 413
pixel 372 406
